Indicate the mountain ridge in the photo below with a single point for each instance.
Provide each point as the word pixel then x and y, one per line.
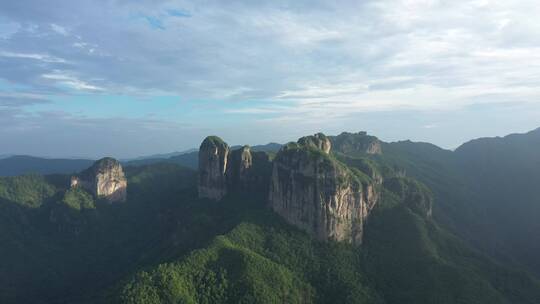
pixel 437 233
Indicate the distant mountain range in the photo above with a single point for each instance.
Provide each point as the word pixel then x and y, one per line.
pixel 161 155
pixel 12 165
pixel 191 159
pixel 23 164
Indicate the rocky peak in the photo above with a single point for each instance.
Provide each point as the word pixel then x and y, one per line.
pixel 306 183
pixel 105 178
pixel 312 190
pixel 213 158
pixel 222 170
pixel 356 143
pixel 319 141
pixel 240 165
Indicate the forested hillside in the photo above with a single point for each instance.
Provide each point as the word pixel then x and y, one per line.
pixel 448 227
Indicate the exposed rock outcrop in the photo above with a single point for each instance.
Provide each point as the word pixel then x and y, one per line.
pixel 315 192
pixel 329 195
pixel 318 141
pixel 104 179
pixel 213 158
pixel 222 171
pixel 356 143
pixel 239 168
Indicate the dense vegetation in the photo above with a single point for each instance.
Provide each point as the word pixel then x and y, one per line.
pixel 486 192
pixel 56 240
pixel 406 258
pixel 164 245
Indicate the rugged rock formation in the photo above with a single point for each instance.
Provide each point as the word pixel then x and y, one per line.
pixel 105 179
pixel 319 141
pixel 248 172
pixel 213 158
pixel 222 171
pixel 315 192
pixel 306 183
pixel 239 167
pixel 356 143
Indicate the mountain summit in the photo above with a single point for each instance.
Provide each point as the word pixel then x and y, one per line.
pixel 105 178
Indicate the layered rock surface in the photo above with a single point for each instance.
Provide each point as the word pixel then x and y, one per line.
pixel 105 179
pixel 315 192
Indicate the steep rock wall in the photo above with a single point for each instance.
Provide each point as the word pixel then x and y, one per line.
pixel 213 158
pixel 315 192
pixel 105 179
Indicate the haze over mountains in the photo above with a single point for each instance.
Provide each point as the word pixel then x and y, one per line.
pixel 22 164
pixel 11 165
pixel 325 219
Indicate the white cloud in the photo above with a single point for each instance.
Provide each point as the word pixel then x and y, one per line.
pixel 71 81
pixel 294 53
pixel 59 29
pixel 39 57
pixel 290 61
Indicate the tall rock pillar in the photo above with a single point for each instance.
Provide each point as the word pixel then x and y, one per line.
pixel 213 160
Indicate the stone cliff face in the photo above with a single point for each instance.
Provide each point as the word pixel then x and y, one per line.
pixel 315 192
pixel 222 171
pixel 213 158
pixel 307 185
pixel 105 178
pixel 239 169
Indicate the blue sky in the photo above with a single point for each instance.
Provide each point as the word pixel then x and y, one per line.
pixel 129 78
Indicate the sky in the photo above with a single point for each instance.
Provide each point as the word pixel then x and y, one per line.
pixel 131 78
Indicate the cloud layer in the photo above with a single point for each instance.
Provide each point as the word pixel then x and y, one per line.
pixel 280 63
